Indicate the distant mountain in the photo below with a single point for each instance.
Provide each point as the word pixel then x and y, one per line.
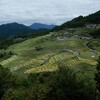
pixel 41 26
pixel 80 21
pixel 13 29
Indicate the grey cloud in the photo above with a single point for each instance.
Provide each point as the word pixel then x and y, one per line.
pixel 45 11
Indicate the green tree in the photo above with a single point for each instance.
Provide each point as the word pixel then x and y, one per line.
pixel 6 80
pixel 98 75
pixel 97 78
pixel 38 48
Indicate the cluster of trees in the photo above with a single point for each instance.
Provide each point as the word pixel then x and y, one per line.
pixel 64 84
pixel 97 78
pixel 6 80
pixel 95 33
pixel 5 43
pixel 5 55
pixel 38 48
pixel 94 44
pixel 93 18
pixel 40 32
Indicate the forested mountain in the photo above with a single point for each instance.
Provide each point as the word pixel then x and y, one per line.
pixel 13 29
pixel 80 21
pixel 41 26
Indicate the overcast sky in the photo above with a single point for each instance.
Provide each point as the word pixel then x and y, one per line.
pixel 45 11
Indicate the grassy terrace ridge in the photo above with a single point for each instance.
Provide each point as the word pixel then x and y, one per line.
pixel 27 59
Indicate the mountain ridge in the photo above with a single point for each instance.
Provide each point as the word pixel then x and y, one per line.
pixel 41 26
pixel 80 21
pixel 13 29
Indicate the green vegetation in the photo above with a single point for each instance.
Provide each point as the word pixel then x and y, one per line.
pixel 40 63
pixel 38 48
pixel 6 80
pixel 5 43
pixel 71 84
pixel 95 44
pixel 56 66
pixel 5 55
pixel 80 22
pixel 96 33
pixel 97 78
pixel 42 54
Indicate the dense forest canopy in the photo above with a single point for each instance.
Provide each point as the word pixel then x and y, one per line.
pixel 80 21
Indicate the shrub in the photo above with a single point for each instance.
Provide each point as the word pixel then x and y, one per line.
pixel 38 48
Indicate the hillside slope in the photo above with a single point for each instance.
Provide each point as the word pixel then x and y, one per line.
pixel 80 21
pixel 13 29
pixel 44 53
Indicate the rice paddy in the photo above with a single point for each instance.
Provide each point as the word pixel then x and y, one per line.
pixel 28 60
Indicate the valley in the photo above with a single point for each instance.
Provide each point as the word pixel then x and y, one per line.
pixel 49 62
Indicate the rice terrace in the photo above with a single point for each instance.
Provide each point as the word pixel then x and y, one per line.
pixel 60 61
pixel 27 59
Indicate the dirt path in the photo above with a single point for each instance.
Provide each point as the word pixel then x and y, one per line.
pixel 91 50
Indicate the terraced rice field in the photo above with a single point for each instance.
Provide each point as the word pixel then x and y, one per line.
pixel 27 60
